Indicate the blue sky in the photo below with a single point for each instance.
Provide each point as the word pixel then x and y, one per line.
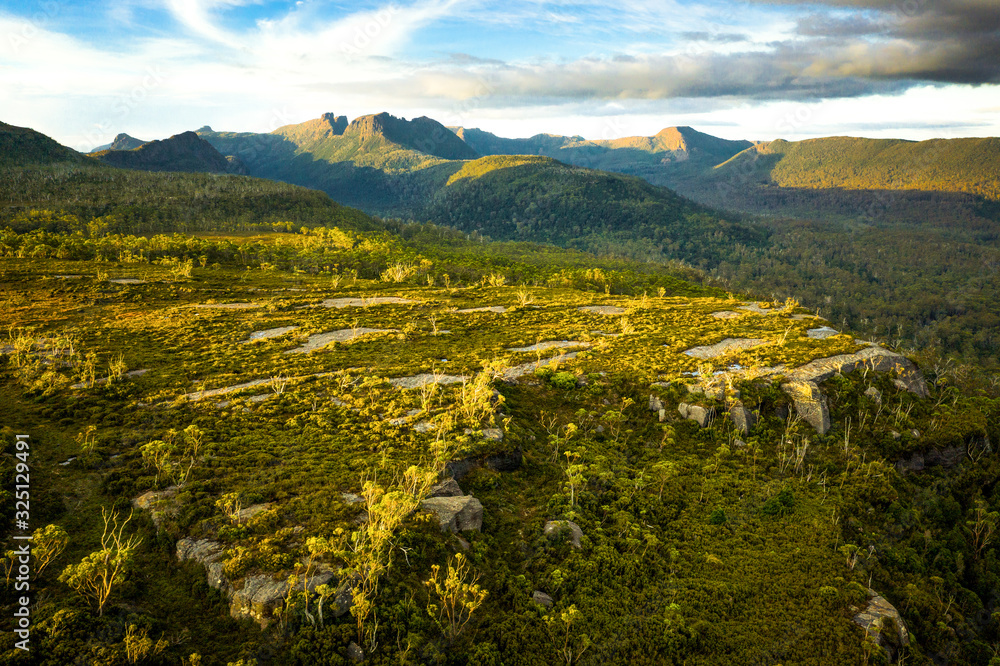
pixel 82 71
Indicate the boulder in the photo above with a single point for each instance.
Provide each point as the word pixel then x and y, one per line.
pixel 874 394
pixel 882 622
pixel 456 514
pixel 742 417
pixel 555 528
pixel 447 488
pixel 355 653
pixel 262 594
pixel 703 416
pixel 542 599
pixel 655 404
pixel 810 404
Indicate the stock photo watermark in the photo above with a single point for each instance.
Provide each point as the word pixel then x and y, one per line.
pixel 19 559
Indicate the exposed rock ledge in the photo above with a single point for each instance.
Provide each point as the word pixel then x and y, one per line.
pixel 802 383
pixel 257 596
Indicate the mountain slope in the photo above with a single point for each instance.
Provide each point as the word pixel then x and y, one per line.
pixel 122 142
pixel 660 159
pixel 22 146
pixel 181 152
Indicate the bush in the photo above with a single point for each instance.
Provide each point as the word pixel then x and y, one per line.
pixel 717 518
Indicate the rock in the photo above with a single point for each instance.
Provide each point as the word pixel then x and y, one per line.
pixel 655 404
pixel 873 358
pixel 355 653
pixel 262 594
pixel 810 404
pixel 447 488
pixel 947 457
pixel 726 346
pixel 703 416
pixel 874 394
pixel 662 415
pixel 251 511
pixel 739 444
pixel 781 411
pixel 821 333
pixel 555 528
pixel 882 622
pixel 501 462
pixel 542 599
pixel 159 503
pixel 895 435
pixel 208 554
pixel 351 498
pixel 742 417
pixel 456 514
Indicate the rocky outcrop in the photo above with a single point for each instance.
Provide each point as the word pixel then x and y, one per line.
pixel 261 595
pixel 882 622
pixel 500 462
pixel 727 346
pixel 810 404
pixel 947 457
pixel 874 358
pixel 159 503
pixel 207 553
pixel 456 514
pixel 703 416
pixel 743 419
pixel 556 528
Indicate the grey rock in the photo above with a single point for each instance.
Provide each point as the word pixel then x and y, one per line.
pixel 159 503
pixel 947 457
pixel 456 514
pixel 810 404
pixel 447 488
pixel 703 416
pixel 542 599
pixel 781 411
pixel 655 404
pixel 555 528
pixel 262 594
pixel 873 358
pixel 882 622
pixel 739 444
pixel 874 394
pixel 662 415
pixel 355 653
pixel 742 417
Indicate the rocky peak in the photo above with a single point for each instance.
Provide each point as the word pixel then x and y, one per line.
pixel 338 124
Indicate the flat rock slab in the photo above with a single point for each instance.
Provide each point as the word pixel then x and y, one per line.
pixel 552 344
pixel 104 380
pixel 363 302
pixel 199 395
pixel 726 314
pixel 417 381
pixel 68 277
pixel 321 340
pixel 822 333
pixel 726 346
pixel 498 309
pixel 227 306
pixel 603 309
pixel 516 372
pixel 269 333
pixel 127 281
pixel 875 358
pixel 755 308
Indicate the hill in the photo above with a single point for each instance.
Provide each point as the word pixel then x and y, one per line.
pixel 122 142
pixel 181 152
pixel 22 146
pixel 660 159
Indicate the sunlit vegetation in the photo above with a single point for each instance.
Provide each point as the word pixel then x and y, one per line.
pixel 699 546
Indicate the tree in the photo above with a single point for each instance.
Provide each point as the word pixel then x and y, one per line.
pixel 99 573
pixel 49 543
pixel 458 596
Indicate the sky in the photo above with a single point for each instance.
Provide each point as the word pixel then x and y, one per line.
pixel 82 71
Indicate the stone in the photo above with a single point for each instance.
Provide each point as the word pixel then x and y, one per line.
pixel 781 411
pixel 947 457
pixel 739 444
pixel 726 346
pixel 159 503
pixel 810 404
pixel 555 528
pixel 655 404
pixel 447 488
pixel 882 622
pixel 742 417
pixel 703 416
pixel 874 358
pixel 874 394
pixel 542 599
pixel 821 333
pixel 355 653
pixel 456 514
pixel 262 594
pixel 207 553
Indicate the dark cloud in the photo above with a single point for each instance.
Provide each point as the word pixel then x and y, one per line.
pixel 717 37
pixel 825 25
